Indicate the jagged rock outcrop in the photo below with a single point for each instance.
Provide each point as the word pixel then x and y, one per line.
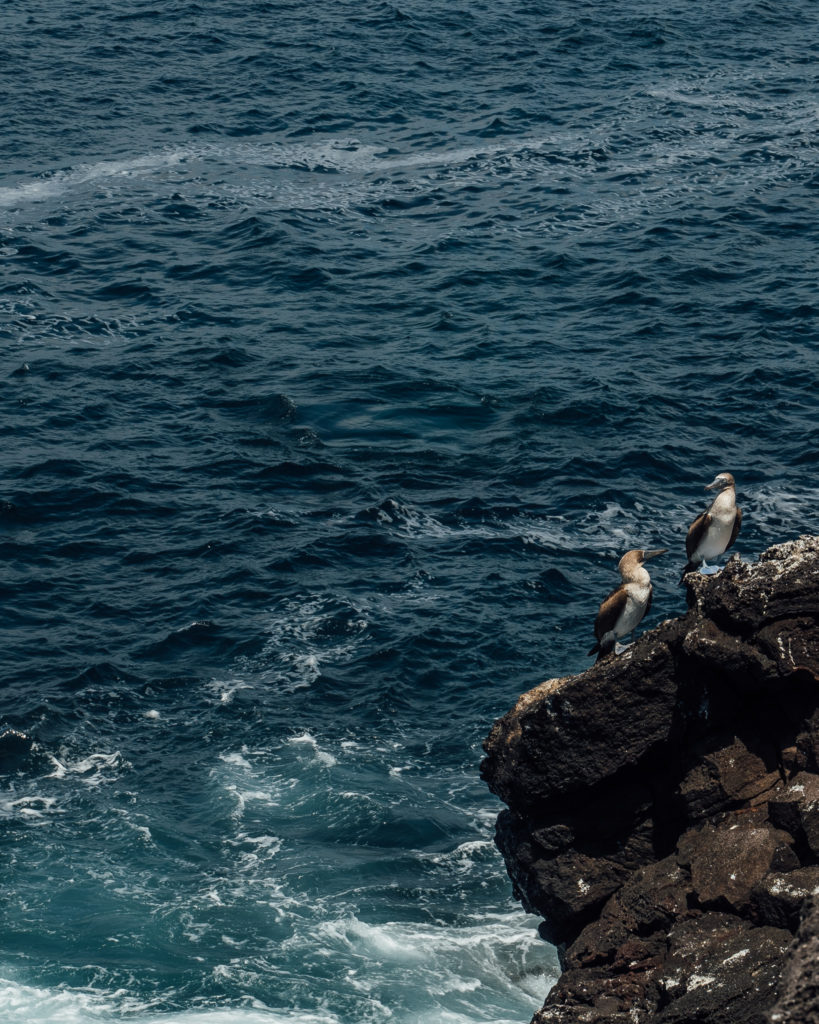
pixel 799 987
pixel 663 808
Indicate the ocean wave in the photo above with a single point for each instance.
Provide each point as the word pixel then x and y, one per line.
pixel 42 1005
pixel 491 956
pixel 92 770
pixel 302 636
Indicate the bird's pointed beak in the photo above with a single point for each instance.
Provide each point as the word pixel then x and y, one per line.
pixel 653 553
pixel 713 485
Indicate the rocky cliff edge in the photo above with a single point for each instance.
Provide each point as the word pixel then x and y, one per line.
pixel 663 809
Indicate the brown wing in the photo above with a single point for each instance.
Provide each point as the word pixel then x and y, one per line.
pixel 648 602
pixel 696 532
pixel 610 611
pixel 735 530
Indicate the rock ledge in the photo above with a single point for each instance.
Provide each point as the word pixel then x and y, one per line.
pixel 663 809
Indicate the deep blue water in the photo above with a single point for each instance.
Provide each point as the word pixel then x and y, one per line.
pixel 346 347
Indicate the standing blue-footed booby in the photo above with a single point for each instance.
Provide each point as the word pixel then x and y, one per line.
pixel 716 529
pixel 624 608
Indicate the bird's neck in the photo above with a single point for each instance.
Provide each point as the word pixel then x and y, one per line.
pixel 639 576
pixel 725 501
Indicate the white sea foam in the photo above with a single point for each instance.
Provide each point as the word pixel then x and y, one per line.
pixel 30 1004
pixel 339 173
pixel 605 529
pixel 235 758
pixel 498 954
pixel 58 183
pixel 289 175
pixel 244 797
pixel 226 689
pixel 609 530
pixel 306 740
pixel 250 785
pixel 142 831
pixel 403 971
pixel 463 857
pixel 298 645
pixel 336 155
pixel 340 155
pixel 93 769
pixel 32 808
pixel 379 942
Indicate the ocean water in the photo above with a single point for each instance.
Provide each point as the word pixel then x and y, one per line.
pixel 346 347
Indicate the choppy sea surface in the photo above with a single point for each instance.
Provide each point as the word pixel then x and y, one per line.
pixel 345 349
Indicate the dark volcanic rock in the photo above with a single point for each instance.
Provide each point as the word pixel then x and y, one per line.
pixel 727 860
pixel 720 968
pixel 797 810
pixel 779 897
pixel 664 808
pixel 799 987
pixel 534 748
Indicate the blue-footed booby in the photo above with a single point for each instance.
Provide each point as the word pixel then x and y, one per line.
pixel 716 529
pixel 624 608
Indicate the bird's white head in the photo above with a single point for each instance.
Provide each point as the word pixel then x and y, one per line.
pixel 720 482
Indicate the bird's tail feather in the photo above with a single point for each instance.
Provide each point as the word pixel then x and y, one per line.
pixel 605 647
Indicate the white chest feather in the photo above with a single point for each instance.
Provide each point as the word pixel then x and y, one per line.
pixel 637 595
pixel 718 535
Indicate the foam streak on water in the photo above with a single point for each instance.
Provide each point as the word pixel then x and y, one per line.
pixel 346 348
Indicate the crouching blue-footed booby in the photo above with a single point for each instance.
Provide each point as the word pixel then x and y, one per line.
pixel 716 529
pixel 624 608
